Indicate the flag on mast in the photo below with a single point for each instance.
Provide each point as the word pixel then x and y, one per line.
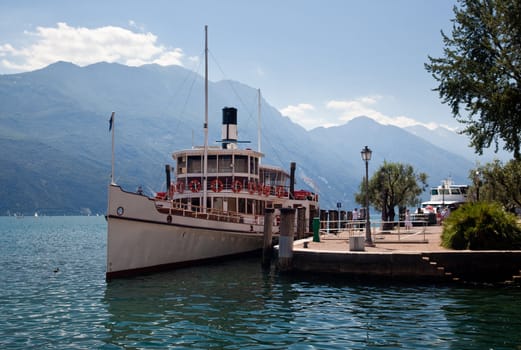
pixel 111 121
pixel 111 124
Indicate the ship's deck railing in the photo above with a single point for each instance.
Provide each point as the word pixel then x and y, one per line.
pixel 226 185
pixel 189 210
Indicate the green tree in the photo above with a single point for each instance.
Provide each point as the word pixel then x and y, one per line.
pixel 499 183
pixel 479 76
pixel 393 184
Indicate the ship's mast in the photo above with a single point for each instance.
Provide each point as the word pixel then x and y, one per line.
pixel 205 156
pixel 259 122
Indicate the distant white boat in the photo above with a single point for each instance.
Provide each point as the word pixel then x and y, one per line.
pixel 213 207
pixel 446 195
pixel 35 214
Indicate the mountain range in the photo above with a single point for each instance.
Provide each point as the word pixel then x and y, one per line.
pixel 55 146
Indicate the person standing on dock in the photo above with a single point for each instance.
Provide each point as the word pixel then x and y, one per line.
pixel 355 218
pixel 444 214
pixel 408 223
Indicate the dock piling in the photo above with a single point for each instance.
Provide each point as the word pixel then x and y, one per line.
pixel 267 244
pixel 301 222
pixel 287 223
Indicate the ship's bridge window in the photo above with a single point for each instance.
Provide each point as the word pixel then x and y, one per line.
pixel 434 192
pixel 273 177
pixel 181 162
pixel 181 165
pixel 195 164
pixel 254 165
pixel 455 191
pixel 225 164
pixel 212 164
pixel 241 164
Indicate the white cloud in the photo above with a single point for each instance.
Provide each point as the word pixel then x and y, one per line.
pixel 365 106
pixel 298 109
pixel 133 24
pixel 338 112
pixel 84 46
pixel 305 115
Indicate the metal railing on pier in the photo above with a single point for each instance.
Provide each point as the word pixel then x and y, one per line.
pixel 347 228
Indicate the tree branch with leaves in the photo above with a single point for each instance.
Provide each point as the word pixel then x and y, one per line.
pixel 500 183
pixel 392 185
pixel 480 73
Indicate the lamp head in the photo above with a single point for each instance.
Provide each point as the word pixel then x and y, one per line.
pixel 366 153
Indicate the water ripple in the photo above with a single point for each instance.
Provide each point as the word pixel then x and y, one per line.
pixel 54 295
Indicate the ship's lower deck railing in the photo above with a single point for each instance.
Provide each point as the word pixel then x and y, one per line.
pixel 188 210
pixel 256 221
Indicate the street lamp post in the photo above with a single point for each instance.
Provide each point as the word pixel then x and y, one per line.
pixel 338 205
pixel 477 185
pixel 443 195
pixel 366 157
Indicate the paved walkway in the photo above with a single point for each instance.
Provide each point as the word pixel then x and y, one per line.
pixel 418 239
pixel 414 255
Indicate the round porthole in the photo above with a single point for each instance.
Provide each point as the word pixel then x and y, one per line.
pixel 120 211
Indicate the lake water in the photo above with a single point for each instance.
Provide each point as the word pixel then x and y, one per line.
pixel 53 295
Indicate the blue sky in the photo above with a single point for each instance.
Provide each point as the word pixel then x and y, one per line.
pixel 321 63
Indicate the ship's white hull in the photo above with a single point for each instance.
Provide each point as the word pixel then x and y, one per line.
pixel 140 238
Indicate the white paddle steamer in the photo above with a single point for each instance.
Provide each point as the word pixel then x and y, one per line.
pixel 214 207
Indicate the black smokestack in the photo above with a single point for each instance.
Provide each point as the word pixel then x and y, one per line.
pixel 229 128
pixel 167 171
pixel 292 179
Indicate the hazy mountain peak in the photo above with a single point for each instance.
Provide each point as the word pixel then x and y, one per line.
pixel 159 110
